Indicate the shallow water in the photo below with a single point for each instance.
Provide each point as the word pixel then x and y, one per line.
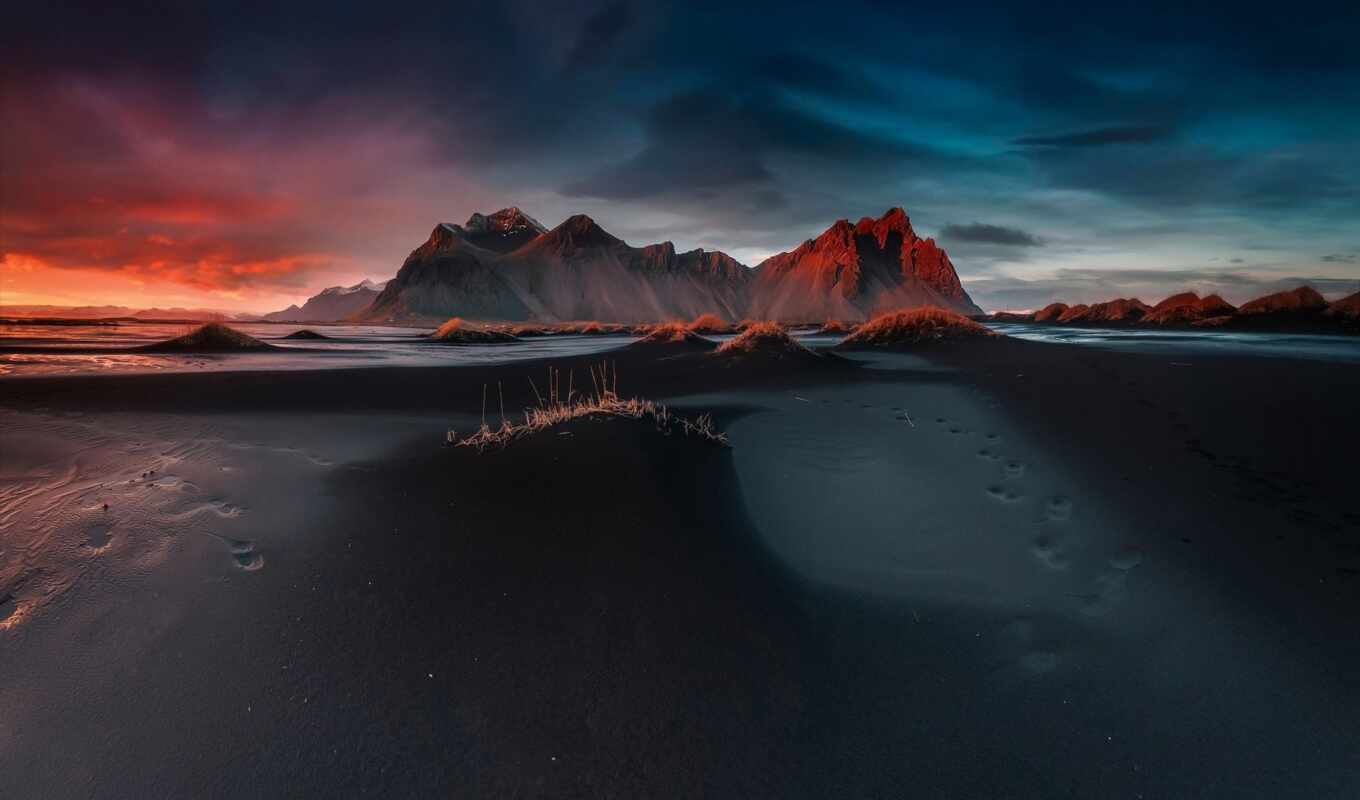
pixel 76 349
pixel 348 346
pixel 1278 345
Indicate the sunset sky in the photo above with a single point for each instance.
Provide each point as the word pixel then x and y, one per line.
pixel 242 157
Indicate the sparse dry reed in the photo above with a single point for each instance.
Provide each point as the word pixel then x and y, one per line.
pixel 558 408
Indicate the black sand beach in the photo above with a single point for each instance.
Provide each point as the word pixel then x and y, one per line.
pixel 990 569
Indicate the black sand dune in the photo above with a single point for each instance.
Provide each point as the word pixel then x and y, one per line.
pixel 595 615
pixel 210 338
pixel 306 334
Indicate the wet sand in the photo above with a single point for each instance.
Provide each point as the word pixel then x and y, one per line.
pixel 1001 569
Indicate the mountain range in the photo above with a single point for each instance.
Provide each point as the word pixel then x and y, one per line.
pixel 335 303
pixel 507 266
pixel 1299 309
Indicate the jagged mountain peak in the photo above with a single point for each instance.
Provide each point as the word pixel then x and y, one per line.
pixel 577 270
pixel 507 220
pixel 578 232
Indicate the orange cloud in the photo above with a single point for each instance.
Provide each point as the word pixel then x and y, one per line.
pixel 151 185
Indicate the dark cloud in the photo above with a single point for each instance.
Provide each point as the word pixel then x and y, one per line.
pixel 598 35
pixel 801 72
pixel 1341 258
pixel 982 233
pixel 1136 134
pixel 322 129
pixel 711 140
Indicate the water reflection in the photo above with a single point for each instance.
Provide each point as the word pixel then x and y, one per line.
pixel 76 349
pixel 1279 345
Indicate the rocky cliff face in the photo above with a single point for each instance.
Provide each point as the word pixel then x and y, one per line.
pixel 505 266
pixel 1303 300
pixel 1301 310
pixel 576 271
pixel 503 231
pixel 853 271
pixel 1187 308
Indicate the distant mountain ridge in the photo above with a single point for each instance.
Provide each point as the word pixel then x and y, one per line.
pixel 1302 309
pixel 120 312
pixel 506 266
pixel 331 304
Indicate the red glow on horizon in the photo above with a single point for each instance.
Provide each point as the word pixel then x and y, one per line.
pixel 155 198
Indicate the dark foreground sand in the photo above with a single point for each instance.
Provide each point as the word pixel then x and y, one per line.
pixel 1151 590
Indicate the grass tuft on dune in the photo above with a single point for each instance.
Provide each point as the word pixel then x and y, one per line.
pixel 591 328
pixel 603 403
pixel 709 324
pixel 459 331
pixel 914 326
pixel 764 339
pixel 671 335
pixel 835 327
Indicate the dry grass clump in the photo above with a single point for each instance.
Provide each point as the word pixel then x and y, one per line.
pixel 525 331
pixel 603 402
pixel 835 327
pixel 666 332
pixel 672 335
pixel 914 326
pixel 764 339
pixel 591 328
pixel 709 324
pixel 211 337
pixel 459 331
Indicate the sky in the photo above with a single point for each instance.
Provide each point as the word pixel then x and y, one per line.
pixel 242 156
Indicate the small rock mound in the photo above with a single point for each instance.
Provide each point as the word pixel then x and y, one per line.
pixel 306 333
pixel 460 331
pixel 1188 308
pixel 1302 300
pixel 768 340
pixel 1347 307
pixel 213 337
pixel 914 326
pixel 1050 312
pixel 1072 313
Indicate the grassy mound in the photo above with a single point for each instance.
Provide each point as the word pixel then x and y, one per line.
pixel 671 336
pixel 709 324
pixel 767 340
pixel 835 327
pixel 529 330
pixel 913 327
pixel 591 328
pixel 460 331
pixel 211 338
